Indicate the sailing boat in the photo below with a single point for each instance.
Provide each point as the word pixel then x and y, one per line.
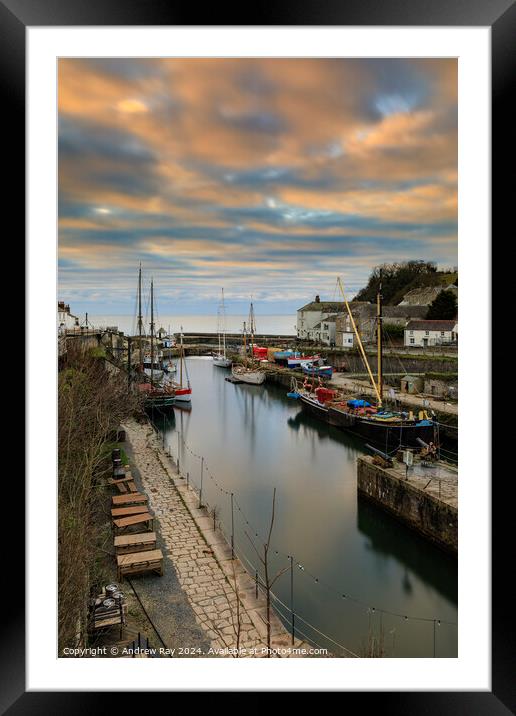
pixel 388 429
pixel 245 373
pixel 220 359
pixel 158 392
pixel 182 393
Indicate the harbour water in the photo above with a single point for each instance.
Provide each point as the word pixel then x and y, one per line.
pixel 360 577
pixel 270 324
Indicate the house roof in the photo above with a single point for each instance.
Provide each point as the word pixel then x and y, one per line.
pixel 328 319
pixel 431 325
pixel 334 306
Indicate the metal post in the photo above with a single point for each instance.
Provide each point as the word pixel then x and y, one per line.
pixel 187 480
pixel 232 530
pixel 292 598
pixel 200 491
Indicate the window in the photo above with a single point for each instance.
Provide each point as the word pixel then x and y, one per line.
pixel 442 333
pixel 412 340
pixel 427 333
pixel 411 333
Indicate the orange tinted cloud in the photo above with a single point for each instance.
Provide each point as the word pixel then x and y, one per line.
pixel 200 159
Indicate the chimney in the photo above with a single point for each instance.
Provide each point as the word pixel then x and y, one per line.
pixel 317 299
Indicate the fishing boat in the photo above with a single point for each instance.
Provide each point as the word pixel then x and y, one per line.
pixel 248 372
pixel 220 358
pixel 324 371
pixel 282 357
pixel 369 419
pixel 295 361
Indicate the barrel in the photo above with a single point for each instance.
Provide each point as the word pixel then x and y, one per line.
pixel 118 472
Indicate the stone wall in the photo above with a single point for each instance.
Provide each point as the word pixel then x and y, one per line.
pixel 441 388
pixel 352 363
pixel 431 517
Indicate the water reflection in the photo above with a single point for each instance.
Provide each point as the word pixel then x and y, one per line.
pixel 388 538
pixel 255 439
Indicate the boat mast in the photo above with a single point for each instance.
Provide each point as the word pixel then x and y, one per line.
pixel 223 324
pixel 181 360
pixel 379 339
pixel 245 344
pixel 219 311
pixel 252 327
pixel 140 322
pixel 359 341
pixel 152 330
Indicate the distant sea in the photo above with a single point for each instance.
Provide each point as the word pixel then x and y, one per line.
pixel 269 324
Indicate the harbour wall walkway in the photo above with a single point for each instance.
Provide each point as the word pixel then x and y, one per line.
pixel 425 502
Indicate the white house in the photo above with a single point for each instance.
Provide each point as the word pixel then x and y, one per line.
pixel 431 333
pixel 310 319
pixel 65 319
pixel 345 335
pixel 324 331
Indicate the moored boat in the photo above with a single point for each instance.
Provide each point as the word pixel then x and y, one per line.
pixel 316 400
pixel 220 358
pixel 323 371
pixel 295 361
pixel 182 393
pixel 282 357
pixel 248 372
pixel 389 429
pixel 158 390
pixel 247 375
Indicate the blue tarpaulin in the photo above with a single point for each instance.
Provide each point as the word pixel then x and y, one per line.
pixel 355 403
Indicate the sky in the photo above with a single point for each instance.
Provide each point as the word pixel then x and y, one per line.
pixel 267 177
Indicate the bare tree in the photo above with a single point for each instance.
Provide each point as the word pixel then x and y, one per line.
pixel 92 402
pixel 269 581
pixel 236 616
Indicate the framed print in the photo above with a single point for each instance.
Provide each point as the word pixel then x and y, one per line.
pixel 251 441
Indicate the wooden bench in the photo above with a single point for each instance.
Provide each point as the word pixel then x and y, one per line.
pixel 136 542
pixel 139 562
pixel 127 511
pixel 118 481
pixel 123 523
pixel 131 486
pixel 134 498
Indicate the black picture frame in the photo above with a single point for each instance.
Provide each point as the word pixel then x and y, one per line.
pixel 500 16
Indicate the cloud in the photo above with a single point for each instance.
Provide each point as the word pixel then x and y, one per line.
pixel 275 174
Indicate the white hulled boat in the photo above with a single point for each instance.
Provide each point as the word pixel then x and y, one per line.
pixel 246 373
pixel 220 359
